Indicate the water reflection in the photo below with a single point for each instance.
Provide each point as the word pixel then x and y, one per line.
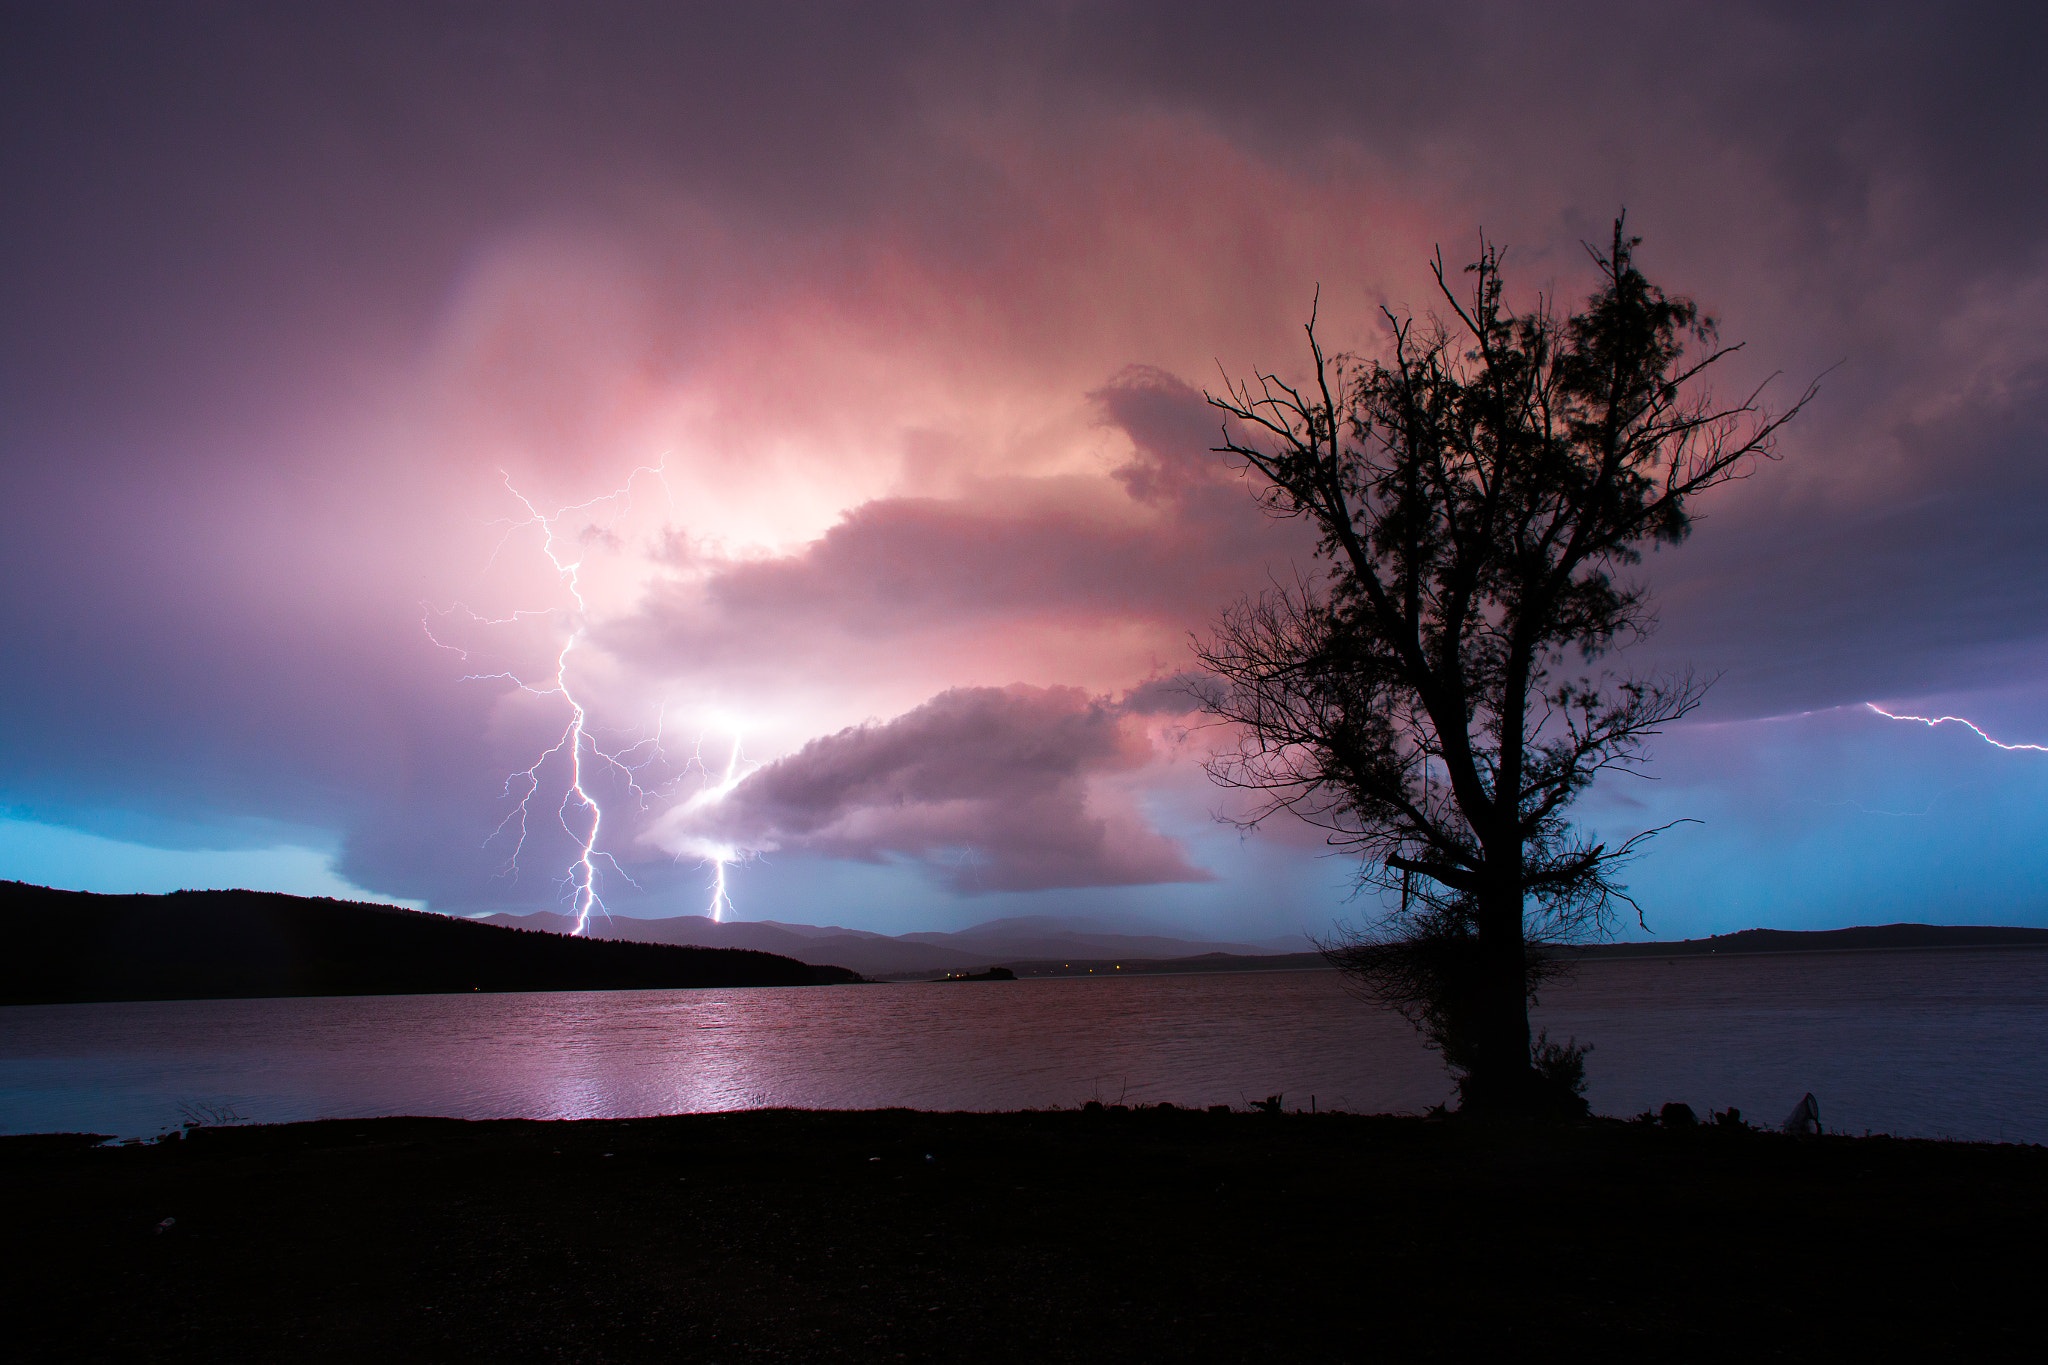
pixel 1929 1043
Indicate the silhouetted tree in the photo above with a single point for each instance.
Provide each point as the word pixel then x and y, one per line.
pixel 1430 697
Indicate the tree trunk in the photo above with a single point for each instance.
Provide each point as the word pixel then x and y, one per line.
pixel 1499 1080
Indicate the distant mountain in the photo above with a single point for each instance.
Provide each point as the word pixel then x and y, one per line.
pixel 1039 939
pixel 72 946
pixel 868 954
pixel 1862 937
pixel 1173 966
pixel 1045 937
pixel 1043 945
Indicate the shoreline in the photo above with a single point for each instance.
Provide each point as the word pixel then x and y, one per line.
pixel 1094 1111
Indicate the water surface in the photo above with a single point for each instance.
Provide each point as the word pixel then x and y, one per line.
pixel 1946 1043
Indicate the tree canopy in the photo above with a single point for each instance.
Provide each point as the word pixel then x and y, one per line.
pixel 1434 697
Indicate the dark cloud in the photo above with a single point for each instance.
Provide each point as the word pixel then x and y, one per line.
pixel 991 788
pixel 235 233
pixel 1162 548
pixel 1941 584
pixel 1172 695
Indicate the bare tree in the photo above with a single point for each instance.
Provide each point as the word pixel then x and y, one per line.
pixel 1432 697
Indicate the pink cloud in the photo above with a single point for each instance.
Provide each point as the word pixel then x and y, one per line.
pixel 1092 581
pixel 990 788
pixel 869 305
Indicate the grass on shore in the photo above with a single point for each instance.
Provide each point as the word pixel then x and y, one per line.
pixel 897 1235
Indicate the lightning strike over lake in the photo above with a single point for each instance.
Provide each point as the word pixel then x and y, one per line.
pixel 579 812
pixel 723 855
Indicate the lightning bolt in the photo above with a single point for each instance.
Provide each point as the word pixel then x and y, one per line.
pixel 1931 721
pixel 578 812
pixel 720 856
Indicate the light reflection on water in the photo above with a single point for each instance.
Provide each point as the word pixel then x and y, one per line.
pixel 1931 1044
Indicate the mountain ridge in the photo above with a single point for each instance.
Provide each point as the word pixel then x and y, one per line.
pixel 1856 938
pixel 1070 951
pixel 1033 938
pixel 77 947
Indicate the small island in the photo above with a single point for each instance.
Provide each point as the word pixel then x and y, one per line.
pixel 992 974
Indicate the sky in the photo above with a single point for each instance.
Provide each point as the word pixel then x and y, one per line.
pixel 854 359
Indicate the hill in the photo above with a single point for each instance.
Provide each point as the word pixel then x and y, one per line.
pixel 1864 937
pixel 867 953
pixel 65 946
pixel 1045 946
pixel 1005 942
pixel 1173 966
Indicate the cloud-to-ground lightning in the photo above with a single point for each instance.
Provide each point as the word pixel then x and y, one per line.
pixel 720 856
pixel 1931 721
pixel 580 815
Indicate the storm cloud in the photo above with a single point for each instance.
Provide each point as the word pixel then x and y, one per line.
pixel 988 787
pixel 912 308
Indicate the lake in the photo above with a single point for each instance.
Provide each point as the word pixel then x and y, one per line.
pixel 1946 1043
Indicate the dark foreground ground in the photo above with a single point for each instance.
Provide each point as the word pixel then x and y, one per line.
pixel 1148 1235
